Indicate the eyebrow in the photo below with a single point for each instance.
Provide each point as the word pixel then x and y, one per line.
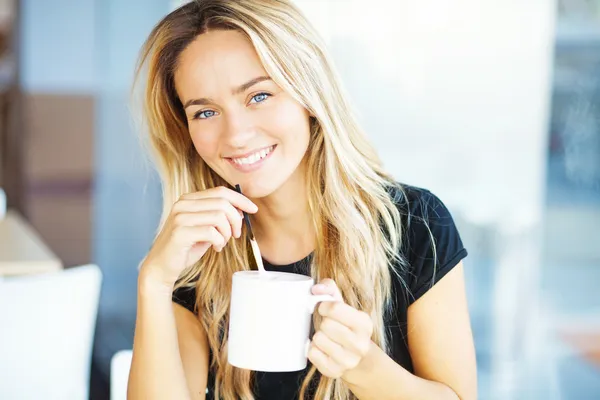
pixel 240 89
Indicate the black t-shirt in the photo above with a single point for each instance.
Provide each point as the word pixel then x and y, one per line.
pixel 426 221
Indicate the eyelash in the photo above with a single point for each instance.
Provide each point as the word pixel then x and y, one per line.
pixel 199 113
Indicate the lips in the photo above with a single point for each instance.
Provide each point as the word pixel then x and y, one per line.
pixel 252 158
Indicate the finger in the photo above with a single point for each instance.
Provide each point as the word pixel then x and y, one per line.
pixel 344 358
pixel 188 236
pixel 218 219
pixel 342 335
pixel 355 320
pixel 210 205
pixel 196 252
pixel 328 286
pixel 238 200
pixel 324 364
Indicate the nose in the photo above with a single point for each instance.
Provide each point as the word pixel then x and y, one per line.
pixel 239 130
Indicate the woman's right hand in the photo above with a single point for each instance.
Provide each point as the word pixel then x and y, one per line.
pixel 197 222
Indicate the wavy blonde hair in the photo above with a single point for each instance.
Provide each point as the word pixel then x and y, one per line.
pixel 358 225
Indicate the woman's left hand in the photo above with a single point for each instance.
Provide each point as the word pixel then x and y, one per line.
pixel 344 336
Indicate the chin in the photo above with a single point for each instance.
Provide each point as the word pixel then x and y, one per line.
pixel 258 190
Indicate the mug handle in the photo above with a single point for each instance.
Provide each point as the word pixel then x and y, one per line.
pixel 314 299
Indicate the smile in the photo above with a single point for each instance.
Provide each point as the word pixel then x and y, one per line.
pixel 253 159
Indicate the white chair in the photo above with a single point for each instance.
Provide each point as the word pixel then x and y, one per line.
pixel 47 324
pixel 120 364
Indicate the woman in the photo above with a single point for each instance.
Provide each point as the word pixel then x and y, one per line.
pixel 243 92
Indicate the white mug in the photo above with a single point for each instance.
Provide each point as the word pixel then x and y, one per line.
pixel 270 320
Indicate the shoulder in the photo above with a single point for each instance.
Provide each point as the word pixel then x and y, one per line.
pixel 431 243
pixel 423 213
pixel 418 203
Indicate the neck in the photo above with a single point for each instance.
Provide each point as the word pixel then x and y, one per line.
pixel 283 225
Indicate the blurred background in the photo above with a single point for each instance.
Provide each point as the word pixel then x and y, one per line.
pixel 497 102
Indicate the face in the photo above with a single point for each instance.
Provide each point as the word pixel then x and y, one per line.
pixel 244 126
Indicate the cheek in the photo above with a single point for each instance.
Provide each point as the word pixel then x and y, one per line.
pixel 290 120
pixel 205 142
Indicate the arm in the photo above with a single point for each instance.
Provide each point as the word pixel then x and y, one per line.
pixel 170 351
pixel 441 346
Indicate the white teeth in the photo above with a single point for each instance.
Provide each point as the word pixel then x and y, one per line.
pixel 259 155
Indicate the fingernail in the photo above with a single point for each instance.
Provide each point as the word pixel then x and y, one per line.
pixel 319 286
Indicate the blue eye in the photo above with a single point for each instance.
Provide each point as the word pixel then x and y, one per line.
pixel 259 98
pixel 204 114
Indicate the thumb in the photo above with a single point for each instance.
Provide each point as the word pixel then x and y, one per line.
pixel 328 286
pixel 196 252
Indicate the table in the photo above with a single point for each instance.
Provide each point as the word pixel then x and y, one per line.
pixel 22 251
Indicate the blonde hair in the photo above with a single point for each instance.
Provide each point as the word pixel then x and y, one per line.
pixel 357 223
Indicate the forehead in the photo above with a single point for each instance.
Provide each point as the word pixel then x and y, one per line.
pixel 215 62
